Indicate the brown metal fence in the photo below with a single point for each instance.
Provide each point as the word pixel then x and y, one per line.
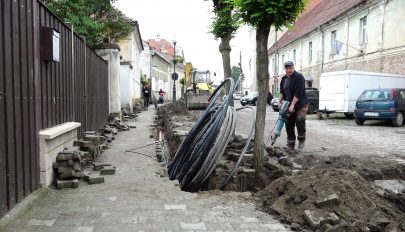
pixel 35 94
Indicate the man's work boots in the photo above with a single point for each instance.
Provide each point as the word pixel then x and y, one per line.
pixel 301 144
pixel 291 144
pixel 301 140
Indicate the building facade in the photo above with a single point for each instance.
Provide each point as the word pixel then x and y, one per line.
pixel 362 35
pixel 157 65
pixel 130 71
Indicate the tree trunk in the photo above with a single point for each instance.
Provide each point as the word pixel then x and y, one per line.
pixel 263 76
pixel 225 49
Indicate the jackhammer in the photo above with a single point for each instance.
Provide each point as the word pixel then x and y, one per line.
pixel 284 113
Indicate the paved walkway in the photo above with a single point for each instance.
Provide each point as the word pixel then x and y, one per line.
pixel 136 198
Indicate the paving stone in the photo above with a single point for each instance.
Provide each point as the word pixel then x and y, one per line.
pixel 86 175
pixel 175 207
pixel 65 173
pixel 193 226
pixel 69 222
pixel 249 219
pixel 99 166
pixel 332 199
pixel 273 227
pixel 61 184
pixel 296 166
pixel 95 179
pixel 78 174
pixel 316 219
pixel 35 222
pixel 83 229
pixel 56 165
pixel 285 161
pixel 107 170
pixel 77 166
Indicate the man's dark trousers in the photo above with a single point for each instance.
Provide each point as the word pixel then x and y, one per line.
pixel 296 119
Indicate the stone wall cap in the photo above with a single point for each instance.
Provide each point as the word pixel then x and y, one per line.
pixel 53 132
pixel 107 46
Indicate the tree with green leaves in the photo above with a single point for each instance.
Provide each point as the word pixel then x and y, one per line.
pixel 224 26
pixel 97 20
pixel 182 82
pixel 235 73
pixel 263 14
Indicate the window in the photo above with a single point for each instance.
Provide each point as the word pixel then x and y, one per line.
pixel 295 57
pixel 282 60
pixel 273 61
pixel 310 53
pixel 363 31
pixel 333 43
pixel 375 95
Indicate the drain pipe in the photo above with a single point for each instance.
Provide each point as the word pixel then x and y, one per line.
pixel 322 48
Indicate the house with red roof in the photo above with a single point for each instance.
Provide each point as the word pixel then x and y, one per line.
pixel 364 35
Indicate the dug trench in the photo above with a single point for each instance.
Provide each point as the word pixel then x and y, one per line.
pixel 309 192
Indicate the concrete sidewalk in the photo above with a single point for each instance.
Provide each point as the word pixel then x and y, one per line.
pixel 136 198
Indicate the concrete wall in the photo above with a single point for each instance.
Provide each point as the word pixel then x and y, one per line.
pixel 383 52
pixel 51 142
pixel 126 85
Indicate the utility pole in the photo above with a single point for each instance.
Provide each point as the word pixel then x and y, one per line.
pixel 174 75
pixel 242 75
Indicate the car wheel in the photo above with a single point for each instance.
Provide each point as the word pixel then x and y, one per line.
pixel 311 109
pixel 254 102
pixel 275 109
pixel 349 116
pixel 398 120
pixel 243 104
pixel 359 121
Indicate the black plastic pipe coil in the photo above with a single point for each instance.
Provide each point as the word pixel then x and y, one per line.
pixel 203 147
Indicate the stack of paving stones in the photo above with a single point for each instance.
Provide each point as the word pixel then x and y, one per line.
pixel 68 167
pixel 159 150
pixel 117 123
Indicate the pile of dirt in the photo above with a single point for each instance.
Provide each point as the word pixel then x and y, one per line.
pixel 372 168
pixel 330 199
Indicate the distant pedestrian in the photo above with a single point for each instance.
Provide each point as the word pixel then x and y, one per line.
pixel 292 89
pixel 146 95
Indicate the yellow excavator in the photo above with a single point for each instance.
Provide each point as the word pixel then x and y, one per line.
pixel 198 87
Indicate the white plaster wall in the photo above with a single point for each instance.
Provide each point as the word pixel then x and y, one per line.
pixel 126 86
pixel 112 56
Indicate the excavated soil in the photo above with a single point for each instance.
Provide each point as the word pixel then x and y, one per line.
pixel 362 205
pixel 296 181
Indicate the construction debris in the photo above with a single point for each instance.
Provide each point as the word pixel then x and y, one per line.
pixel 107 170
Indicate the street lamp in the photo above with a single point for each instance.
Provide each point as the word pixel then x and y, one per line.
pixel 152 53
pixel 174 75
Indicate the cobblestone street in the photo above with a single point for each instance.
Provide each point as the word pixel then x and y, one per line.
pixel 339 136
pixel 136 198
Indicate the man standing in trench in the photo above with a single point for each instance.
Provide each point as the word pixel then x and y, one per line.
pixel 292 89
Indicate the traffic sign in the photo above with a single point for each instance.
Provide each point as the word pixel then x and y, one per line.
pixel 175 76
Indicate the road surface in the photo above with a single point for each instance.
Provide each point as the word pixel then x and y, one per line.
pixel 337 135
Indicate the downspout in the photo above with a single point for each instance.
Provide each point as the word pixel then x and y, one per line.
pixel 385 2
pixel 322 48
pixel 276 67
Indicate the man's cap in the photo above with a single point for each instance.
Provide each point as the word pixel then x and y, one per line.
pixel 288 64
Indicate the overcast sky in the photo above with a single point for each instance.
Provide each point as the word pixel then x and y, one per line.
pixel 188 22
